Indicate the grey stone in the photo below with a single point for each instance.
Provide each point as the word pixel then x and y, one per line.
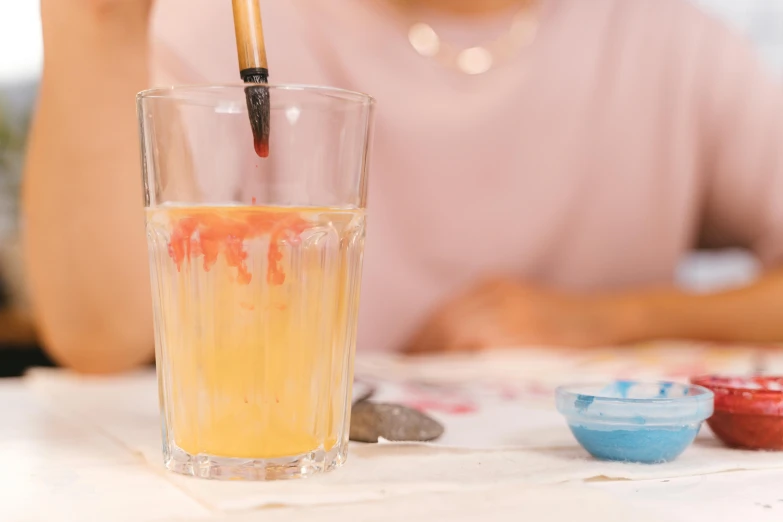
pixel 393 422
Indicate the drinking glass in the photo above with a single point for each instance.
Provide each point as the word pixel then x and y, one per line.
pixel 255 266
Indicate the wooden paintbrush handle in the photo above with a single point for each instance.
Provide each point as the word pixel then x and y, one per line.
pixel 250 36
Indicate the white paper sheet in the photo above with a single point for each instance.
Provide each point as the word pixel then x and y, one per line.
pixel 497 503
pixel 499 432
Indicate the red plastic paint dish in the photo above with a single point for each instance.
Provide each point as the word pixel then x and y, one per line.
pixel 748 410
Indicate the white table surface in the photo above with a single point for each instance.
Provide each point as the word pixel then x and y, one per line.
pixel 57 464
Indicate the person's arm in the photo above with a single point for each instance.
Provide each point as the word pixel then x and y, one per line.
pixel 506 313
pixel 750 314
pixel 82 196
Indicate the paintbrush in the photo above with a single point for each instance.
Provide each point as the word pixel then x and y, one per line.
pixel 253 68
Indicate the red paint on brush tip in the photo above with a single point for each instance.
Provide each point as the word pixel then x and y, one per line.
pixel 262 148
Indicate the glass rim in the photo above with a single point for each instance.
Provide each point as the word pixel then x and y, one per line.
pixel 725 383
pixel 652 411
pixel 701 394
pixel 173 90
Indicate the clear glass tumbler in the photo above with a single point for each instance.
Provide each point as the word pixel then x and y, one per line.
pixel 256 267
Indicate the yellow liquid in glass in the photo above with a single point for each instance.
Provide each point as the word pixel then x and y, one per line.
pixel 255 316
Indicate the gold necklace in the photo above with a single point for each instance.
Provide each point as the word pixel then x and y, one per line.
pixel 481 58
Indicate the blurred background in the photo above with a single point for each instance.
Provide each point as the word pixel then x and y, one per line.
pixel 21 55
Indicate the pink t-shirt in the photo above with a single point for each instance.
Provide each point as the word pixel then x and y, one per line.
pixel 628 132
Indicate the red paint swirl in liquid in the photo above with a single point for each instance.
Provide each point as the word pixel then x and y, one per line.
pixel 210 232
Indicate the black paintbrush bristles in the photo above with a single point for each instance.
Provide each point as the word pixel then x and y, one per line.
pixel 258 108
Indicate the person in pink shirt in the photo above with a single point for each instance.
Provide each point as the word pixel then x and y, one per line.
pixel 540 166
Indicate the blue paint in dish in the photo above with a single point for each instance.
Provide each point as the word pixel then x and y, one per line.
pixel 634 421
pixel 621 388
pixel 583 402
pixel 645 445
pixel 663 392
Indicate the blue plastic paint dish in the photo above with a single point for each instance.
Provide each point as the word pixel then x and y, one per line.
pixel 631 421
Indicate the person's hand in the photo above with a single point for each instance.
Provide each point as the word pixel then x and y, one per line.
pixel 506 313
